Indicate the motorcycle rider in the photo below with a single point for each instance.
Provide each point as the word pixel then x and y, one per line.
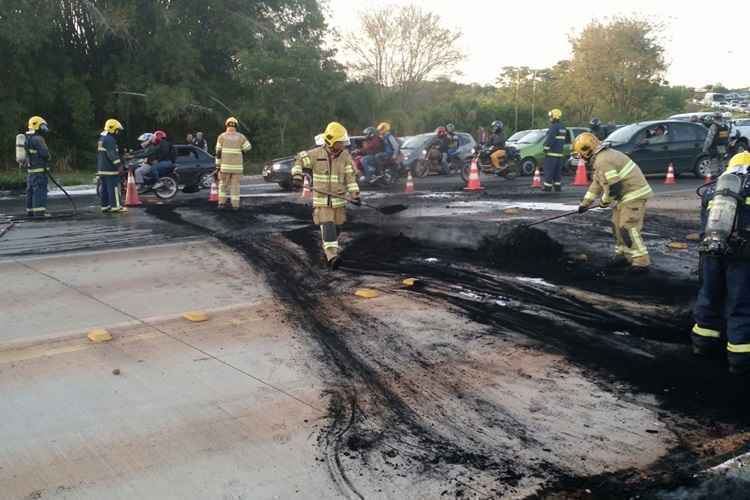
pixel 617 179
pixel 722 311
pixel 599 130
pixel 331 168
pixel 453 141
pixel 372 146
pixel 441 142
pixel 391 148
pixel 553 152
pixel 717 139
pixel 148 151
pixel 497 144
pixel 164 158
pixel 109 167
pixel 37 164
pixel 231 145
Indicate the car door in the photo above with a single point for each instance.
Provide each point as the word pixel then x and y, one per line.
pixel 651 151
pixel 684 146
pixel 187 162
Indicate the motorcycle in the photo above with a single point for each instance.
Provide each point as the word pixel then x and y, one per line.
pixel 432 163
pixel 509 166
pixel 388 170
pixel 190 180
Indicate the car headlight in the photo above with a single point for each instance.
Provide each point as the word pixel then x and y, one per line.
pixel 276 167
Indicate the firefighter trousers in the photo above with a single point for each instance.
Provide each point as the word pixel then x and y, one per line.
pixel 627 224
pixel 36 193
pixel 723 305
pixel 553 168
pixel 329 219
pixel 229 186
pixel 111 193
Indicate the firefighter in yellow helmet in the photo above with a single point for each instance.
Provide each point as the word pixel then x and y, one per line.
pixel 331 168
pixel 617 179
pixel 230 148
pixel 554 142
pixel 109 167
pixel 36 162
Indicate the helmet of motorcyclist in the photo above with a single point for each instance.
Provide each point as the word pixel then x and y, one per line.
pixel 585 145
pixel 384 127
pixel 38 124
pixel 497 126
pixel 335 132
pixel 159 136
pixel 555 115
pixel 113 126
pixel 370 132
pixel 595 123
pixel 739 160
pixel 441 132
pixel 450 128
pixel 708 120
pixel 231 122
pixel 145 137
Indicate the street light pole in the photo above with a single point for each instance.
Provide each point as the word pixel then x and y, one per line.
pixel 533 96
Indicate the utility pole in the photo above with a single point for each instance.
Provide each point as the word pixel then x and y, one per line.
pixel 515 99
pixel 533 96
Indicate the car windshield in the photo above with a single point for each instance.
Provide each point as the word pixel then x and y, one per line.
pixel 518 135
pixel 533 136
pixel 416 142
pixel 623 135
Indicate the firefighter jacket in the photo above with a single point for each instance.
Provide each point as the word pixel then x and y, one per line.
pixel 37 153
pixel 107 155
pixel 230 147
pixel 334 175
pixel 611 167
pixel 555 140
pixel 718 135
pixel 497 141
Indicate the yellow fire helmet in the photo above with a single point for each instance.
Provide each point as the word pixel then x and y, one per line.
pixel 555 114
pixel 335 132
pixel 112 126
pixel 35 122
pixel 740 160
pixel 231 122
pixel 585 145
pixel 384 128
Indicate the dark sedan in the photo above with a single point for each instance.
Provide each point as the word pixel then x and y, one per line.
pixel 194 166
pixel 654 145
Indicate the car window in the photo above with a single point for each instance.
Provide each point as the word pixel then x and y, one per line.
pixel 682 132
pixel 416 142
pixel 533 137
pixel 186 155
pixel 464 139
pixel 624 134
pixel 655 134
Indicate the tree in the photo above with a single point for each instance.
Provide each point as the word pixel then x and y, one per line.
pixel 401 48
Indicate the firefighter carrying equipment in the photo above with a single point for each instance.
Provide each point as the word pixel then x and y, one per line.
pixel 335 132
pixel 36 123
pixel 616 178
pixel 109 166
pixel 722 214
pixel 555 115
pixel 230 148
pixel 113 126
pixel 21 156
pixel 554 143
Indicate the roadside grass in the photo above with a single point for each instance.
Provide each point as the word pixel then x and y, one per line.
pixel 15 179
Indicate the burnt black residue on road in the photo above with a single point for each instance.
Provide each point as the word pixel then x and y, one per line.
pixel 375 426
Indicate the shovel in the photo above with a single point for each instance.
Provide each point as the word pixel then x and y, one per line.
pixel 386 210
pixel 555 217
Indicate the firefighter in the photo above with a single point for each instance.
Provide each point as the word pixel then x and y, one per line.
pixel 37 163
pixel 618 180
pixel 553 152
pixel 717 139
pixel 230 147
pixel 330 166
pixel 497 144
pixel 109 168
pixel 722 309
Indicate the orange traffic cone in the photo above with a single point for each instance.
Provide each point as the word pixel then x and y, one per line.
pixel 708 178
pixel 582 178
pixel 306 191
pixel 670 175
pixel 131 195
pixel 537 182
pixel 474 184
pixel 409 183
pixel 213 195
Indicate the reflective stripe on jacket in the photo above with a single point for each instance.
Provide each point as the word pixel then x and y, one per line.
pixel 610 167
pixel 107 156
pixel 230 146
pixel 329 175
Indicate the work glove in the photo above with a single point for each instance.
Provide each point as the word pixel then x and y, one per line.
pixel 582 209
pixel 355 199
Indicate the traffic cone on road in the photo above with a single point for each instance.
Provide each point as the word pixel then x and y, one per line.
pixel 670 175
pixel 708 178
pixel 474 184
pixel 537 181
pixel 409 183
pixel 213 195
pixel 582 178
pixel 306 191
pixel 131 195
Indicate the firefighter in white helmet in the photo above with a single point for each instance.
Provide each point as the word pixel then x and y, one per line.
pixel 230 148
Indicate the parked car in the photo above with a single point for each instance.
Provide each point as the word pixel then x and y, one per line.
pixel 413 149
pixel 531 147
pixel 279 171
pixel 654 145
pixel 513 139
pixel 742 126
pixel 194 163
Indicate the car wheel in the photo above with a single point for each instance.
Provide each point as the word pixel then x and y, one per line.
pixel 206 180
pixel 168 190
pixel 703 167
pixel 528 165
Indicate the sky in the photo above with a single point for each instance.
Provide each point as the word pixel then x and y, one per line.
pixel 500 33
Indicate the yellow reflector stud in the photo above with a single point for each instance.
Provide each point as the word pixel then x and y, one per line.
pixel 99 335
pixel 195 316
pixel 366 293
pixel 678 245
pixel 693 237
